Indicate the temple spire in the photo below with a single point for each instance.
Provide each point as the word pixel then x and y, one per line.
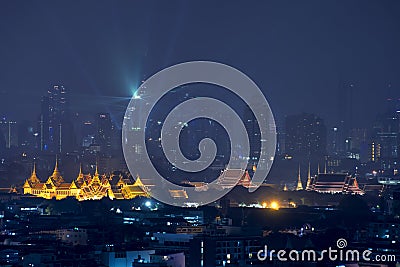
pixel 80 175
pixel 299 184
pixel 325 168
pixel 56 171
pixel 34 179
pixel 308 176
pixel 318 172
pixel 34 168
pixel 97 170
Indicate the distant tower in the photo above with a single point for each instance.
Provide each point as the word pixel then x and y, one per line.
pixel 253 131
pixel 285 188
pixel 299 184
pixel 56 131
pixel 387 138
pixel 305 137
pixel 8 130
pixel 104 132
pixel 325 168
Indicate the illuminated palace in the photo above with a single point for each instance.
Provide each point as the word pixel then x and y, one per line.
pixel 84 187
pixel 330 183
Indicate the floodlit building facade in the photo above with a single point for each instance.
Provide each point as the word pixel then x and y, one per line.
pixel 84 187
pixel 335 183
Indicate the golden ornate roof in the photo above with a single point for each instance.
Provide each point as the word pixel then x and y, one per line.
pixel 85 187
pixel 56 176
pixel 80 177
pixel 33 179
pixel 73 185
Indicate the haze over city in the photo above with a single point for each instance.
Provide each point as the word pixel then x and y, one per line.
pixel 88 179
pixel 304 56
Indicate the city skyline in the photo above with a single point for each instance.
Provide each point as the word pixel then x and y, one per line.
pixel 199 134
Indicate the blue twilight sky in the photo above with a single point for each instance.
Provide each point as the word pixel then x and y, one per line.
pixel 305 55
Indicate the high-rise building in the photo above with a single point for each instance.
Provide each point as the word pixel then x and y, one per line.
pixel 9 133
pixel 44 124
pixel 374 152
pixel 2 142
pixel 254 133
pixel 356 144
pixel 26 138
pixel 334 141
pixel 280 146
pixel 337 136
pixel 387 136
pixel 55 126
pixel 305 137
pixel 87 133
pixel 104 132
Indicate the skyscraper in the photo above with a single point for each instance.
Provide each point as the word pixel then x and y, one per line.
pixel 87 133
pixel 253 131
pixel 305 137
pixel 387 137
pixel 357 144
pixel 334 141
pixel 104 132
pixel 25 135
pixel 55 127
pixel 44 124
pixel 9 133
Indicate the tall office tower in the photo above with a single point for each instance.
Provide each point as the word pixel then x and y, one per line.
pixel 43 127
pixel 305 137
pixel 357 144
pixel 2 141
pixel 25 135
pixel 9 133
pixel 87 133
pixel 55 126
pixel 253 131
pixel 387 136
pixel 398 118
pixel 104 132
pixel 396 113
pixel 345 110
pixel 116 140
pixel 333 141
pixel 281 138
pixel 374 151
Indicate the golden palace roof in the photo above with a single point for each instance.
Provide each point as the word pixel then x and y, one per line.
pixel 85 186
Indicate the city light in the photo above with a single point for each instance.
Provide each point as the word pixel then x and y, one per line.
pixel 274 205
pixel 99 166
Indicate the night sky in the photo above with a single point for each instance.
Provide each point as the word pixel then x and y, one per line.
pixel 304 55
